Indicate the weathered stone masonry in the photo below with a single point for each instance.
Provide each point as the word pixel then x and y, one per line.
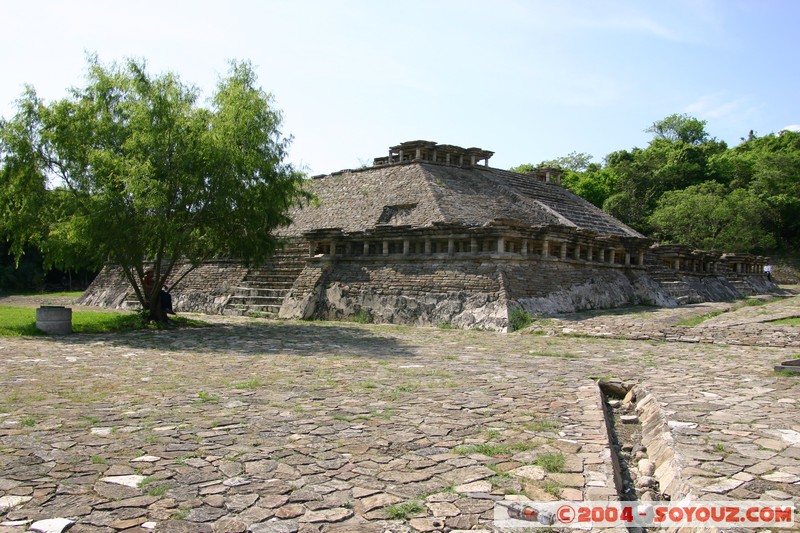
pixel 427 235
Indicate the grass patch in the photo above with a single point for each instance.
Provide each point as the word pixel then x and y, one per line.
pixel 552 488
pixel 99 460
pixel 490 433
pixel 493 450
pixel 21 321
pixel 519 319
pixel 403 511
pixel 206 397
pixel 787 373
pixel 18 321
pixel 28 421
pixel 58 294
pixel 363 317
pixel 552 462
pixel 791 321
pixel 446 325
pixel 754 302
pixel 249 384
pixel 90 420
pixel 542 425
pixel 695 320
pixel 159 490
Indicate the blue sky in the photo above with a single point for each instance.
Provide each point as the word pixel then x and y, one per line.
pixel 530 80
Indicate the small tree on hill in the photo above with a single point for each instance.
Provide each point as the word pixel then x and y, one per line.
pixel 131 170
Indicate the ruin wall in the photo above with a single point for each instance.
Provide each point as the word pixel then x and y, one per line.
pixel 463 293
pixel 206 289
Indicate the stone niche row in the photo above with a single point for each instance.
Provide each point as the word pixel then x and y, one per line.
pixel 567 244
pixel 685 259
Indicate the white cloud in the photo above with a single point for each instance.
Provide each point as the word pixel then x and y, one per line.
pixel 791 127
pixel 719 106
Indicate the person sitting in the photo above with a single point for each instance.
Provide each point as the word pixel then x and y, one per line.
pixel 164 298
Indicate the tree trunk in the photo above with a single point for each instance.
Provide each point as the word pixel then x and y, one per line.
pixel 157 313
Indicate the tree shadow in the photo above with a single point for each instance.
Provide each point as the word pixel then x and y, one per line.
pixel 580 316
pixel 261 339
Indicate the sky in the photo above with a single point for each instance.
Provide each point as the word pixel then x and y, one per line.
pixel 530 80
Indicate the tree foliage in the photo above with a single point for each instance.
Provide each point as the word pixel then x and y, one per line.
pixel 681 128
pixel 709 217
pixel 687 187
pixel 131 169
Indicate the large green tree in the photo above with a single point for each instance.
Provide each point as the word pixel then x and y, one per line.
pixel 710 217
pixel 131 169
pixel 687 187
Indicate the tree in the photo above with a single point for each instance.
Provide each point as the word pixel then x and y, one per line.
pixel 709 217
pixel 143 176
pixel 596 184
pixel 680 128
pixel 574 161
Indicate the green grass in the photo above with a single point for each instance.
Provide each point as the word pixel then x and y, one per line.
pixel 21 321
pixel 90 420
pixel 695 320
pixel 59 294
pixel 787 373
pixel 403 511
pixel 249 384
pixel 99 460
pixel 492 450
pixel 791 321
pixel 159 490
pixel 519 319
pixel 446 325
pixel 552 488
pixel 363 317
pixel 542 425
pixel 552 462
pixel 28 421
pixel 753 302
pixel 206 397
pixel 490 433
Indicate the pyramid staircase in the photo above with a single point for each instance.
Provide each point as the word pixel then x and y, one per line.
pixel 263 289
pixel 674 285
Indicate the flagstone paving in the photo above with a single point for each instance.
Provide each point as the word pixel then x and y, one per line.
pixel 269 426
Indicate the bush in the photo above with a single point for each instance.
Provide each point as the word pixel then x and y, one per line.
pixel 363 317
pixel 519 319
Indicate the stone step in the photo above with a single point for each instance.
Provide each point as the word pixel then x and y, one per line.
pixel 262 308
pixel 245 311
pixel 256 300
pixel 261 291
pixel 283 283
pixel 269 280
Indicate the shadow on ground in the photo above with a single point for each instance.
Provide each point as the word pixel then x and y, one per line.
pixel 303 339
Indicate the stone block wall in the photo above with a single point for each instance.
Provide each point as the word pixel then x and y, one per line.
pixel 550 287
pixel 464 293
pixel 206 289
pixel 464 290
pixel 109 289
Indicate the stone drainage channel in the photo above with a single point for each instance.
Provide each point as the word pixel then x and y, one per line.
pixel 641 444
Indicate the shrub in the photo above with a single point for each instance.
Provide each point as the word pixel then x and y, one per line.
pixel 519 319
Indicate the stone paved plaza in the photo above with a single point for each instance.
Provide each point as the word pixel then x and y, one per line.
pixel 255 425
